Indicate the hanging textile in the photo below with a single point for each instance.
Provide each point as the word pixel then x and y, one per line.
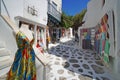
pixel 100 47
pixel 103 40
pixel 39 48
pixel 106 54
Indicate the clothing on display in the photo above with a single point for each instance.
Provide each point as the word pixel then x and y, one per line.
pixel 103 28
pixel 86 44
pixel 39 48
pixel 103 35
pixel 97 45
pixel 23 67
pixel 99 30
pixel 84 30
pixel 106 54
pixel 103 40
pixel 100 46
pixel 40 40
pixel 103 45
pixel 88 36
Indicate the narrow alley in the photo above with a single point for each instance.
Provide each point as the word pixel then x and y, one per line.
pixel 59 40
pixel 69 62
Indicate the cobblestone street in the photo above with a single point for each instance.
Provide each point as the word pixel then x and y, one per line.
pixel 68 62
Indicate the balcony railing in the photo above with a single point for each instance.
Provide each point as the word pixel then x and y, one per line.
pixel 54 12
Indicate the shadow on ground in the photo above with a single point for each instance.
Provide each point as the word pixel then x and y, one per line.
pixel 69 62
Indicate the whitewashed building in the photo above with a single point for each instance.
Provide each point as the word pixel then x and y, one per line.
pixel 54 16
pixel 55 9
pixel 12 12
pixel 96 11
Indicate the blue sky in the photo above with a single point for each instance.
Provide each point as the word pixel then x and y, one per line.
pixel 72 7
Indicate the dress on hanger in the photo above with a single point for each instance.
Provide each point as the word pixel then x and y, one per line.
pixel 23 67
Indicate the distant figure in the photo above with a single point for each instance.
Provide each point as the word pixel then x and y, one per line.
pixel 76 36
pixel 54 35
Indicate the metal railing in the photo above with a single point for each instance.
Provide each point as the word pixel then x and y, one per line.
pixel 4 5
pixel 54 12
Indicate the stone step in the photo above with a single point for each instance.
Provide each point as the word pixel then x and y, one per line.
pixel 6 63
pixel 4 52
pixel 9 21
pixel 4 68
pixel 2 44
pixel 4 58
pixel 3 77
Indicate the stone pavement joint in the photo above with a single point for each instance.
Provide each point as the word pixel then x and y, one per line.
pixel 68 63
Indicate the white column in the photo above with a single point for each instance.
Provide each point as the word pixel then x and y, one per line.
pixel 71 33
pixel 35 33
pixel 45 37
pixel 79 35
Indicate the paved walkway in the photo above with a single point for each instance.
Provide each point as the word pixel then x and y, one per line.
pixel 68 62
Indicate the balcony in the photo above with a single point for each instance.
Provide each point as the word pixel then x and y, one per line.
pixel 54 12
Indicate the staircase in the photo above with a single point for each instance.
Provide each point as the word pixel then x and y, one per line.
pixel 5 55
pixel 11 24
pixel 5 61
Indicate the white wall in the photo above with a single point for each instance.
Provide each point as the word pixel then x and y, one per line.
pixel 114 6
pixel 93 13
pixel 41 6
pixel 117 18
pixel 7 36
pixel 19 8
pixel 15 8
pixel 59 4
pixel 71 32
pixel 93 16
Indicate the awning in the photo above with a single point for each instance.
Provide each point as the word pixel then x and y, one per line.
pixel 29 21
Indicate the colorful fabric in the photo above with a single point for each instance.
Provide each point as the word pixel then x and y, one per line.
pixel 99 30
pixel 103 45
pixel 40 48
pixel 84 30
pixel 106 54
pixel 88 36
pixel 103 28
pixel 103 36
pixel 97 42
pixel 85 34
pixel 23 67
pixel 100 46
pixel 103 40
